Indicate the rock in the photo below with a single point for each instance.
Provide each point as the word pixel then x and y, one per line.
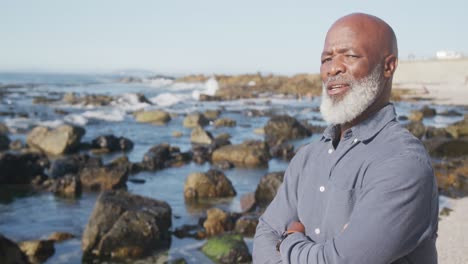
pixel 10 253
pixel 223 165
pixel 60 236
pixel 246 225
pixel 450 112
pixel 4 129
pixel 195 120
pixel 162 156
pixel 61 140
pixel 452 177
pixel 249 154
pixel 193 231
pixel 130 79
pixel 70 98
pixel 123 225
pixel 428 111
pixel 217 222
pixel 402 118
pixel 4 142
pixel 110 177
pixel 436 132
pixel 416 116
pixel 208 185
pixel 267 188
pixel 73 165
pixel 283 151
pixel 459 129
pixel 68 186
pixel 38 251
pixel 225 122
pixel 21 168
pixel 259 131
pixel 16 145
pixel 222 140
pixel 112 143
pixel 155 116
pixel 227 248
pixel 201 154
pixel 200 136
pixel 281 128
pixel 416 128
pixel 209 98
pixel 43 100
pixel 124 162
pixel 212 115
pixel 247 202
pixel 438 147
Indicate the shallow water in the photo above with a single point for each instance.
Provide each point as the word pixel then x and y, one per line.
pixel 27 216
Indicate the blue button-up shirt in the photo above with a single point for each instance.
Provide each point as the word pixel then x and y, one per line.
pixel 372 199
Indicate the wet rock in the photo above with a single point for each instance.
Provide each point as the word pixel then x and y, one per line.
pixel 201 154
pixel 60 236
pixel 267 188
pixel 61 140
pixel 281 128
pixel 459 129
pixel 417 129
pixel 200 136
pixel 212 115
pixel 10 253
pixel 428 111
pixel 112 143
pixel 208 185
pixel 177 134
pixel 432 132
pixel 248 202
pixel 44 100
pixel 68 186
pixel 416 116
pixel 21 168
pixel 193 231
pixel 73 165
pixel 4 129
pixel 38 251
pixel 223 165
pixel 130 79
pixel 246 225
pixel 195 120
pixel 109 177
pixel 209 98
pixel 16 145
pixel 97 100
pixel 227 248
pixel 124 162
pixel 164 155
pixel 217 222
pixel 123 225
pixel 70 98
pixel 222 140
pixel 441 147
pixel 249 154
pixel 155 117
pixel 4 142
pixel 225 122
pixel 452 177
pixel 283 151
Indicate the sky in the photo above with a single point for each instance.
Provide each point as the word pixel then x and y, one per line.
pixel 207 36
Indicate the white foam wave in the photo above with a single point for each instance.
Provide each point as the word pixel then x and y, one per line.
pixel 211 86
pixel 114 115
pixel 167 99
pixel 160 82
pixel 76 119
pixel 129 102
pixel 19 123
pixel 51 123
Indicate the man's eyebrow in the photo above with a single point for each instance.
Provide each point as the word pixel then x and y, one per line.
pixel 339 50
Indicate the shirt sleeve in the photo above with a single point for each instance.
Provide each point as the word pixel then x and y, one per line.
pixel 281 211
pixel 394 213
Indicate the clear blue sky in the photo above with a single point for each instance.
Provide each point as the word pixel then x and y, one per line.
pixel 207 36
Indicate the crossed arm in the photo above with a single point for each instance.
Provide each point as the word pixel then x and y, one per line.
pixel 392 216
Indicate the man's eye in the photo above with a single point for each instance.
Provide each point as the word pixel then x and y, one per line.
pixel 326 60
pixel 352 56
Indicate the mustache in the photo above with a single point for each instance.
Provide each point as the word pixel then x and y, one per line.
pixel 339 79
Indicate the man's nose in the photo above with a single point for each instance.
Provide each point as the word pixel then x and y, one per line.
pixel 336 67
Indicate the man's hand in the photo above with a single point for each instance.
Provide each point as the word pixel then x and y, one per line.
pixel 295 226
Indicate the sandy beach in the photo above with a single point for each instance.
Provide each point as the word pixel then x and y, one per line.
pixel 452 243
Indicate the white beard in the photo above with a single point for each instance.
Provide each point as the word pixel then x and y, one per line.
pixel 361 94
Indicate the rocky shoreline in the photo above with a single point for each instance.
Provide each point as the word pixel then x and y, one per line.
pixel 126 226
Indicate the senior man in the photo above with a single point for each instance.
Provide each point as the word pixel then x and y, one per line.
pixel 365 193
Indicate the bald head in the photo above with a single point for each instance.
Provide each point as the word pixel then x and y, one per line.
pixel 372 28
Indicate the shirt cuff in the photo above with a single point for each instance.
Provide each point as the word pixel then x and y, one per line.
pixel 290 241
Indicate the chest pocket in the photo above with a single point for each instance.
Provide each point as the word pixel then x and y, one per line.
pixel 339 206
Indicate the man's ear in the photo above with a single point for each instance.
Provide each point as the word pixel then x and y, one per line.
pixel 390 65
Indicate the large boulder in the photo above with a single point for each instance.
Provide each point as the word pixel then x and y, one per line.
pixel 268 187
pixel 164 155
pixel 123 225
pixel 10 253
pixel 72 165
pixel 227 248
pixel 157 117
pixel 217 222
pixel 194 120
pixel 109 177
pixel 249 154
pixel 60 140
pixel 211 184
pixel 20 169
pixel 200 136
pixel 282 128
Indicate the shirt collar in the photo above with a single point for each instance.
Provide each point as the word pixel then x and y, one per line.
pixel 367 128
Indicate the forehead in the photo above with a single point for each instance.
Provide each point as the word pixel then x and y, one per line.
pixel 347 37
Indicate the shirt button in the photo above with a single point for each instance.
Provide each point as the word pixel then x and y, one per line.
pixel 317 231
pixel 355 140
pixel 322 189
pixel 330 151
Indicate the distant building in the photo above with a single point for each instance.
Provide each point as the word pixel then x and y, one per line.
pixel 448 54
